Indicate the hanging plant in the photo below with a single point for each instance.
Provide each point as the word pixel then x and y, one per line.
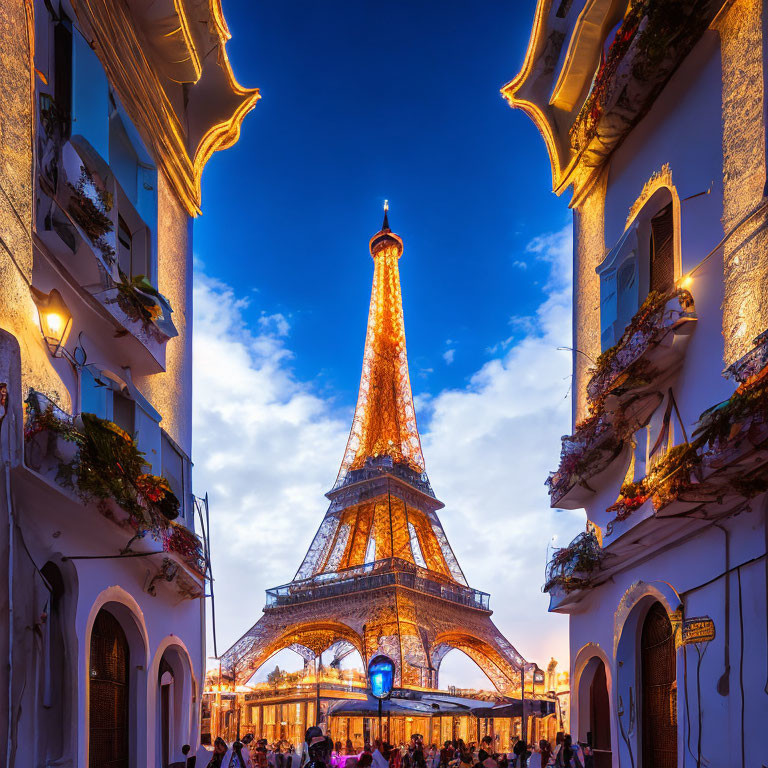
pixel 89 204
pixel 653 38
pixel 669 476
pixel 108 465
pixel 183 542
pixel 143 303
pixel 571 567
pixel 622 365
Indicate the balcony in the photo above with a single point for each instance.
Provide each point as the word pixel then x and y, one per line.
pixel 625 389
pixel 650 44
pixel 652 346
pixel 96 468
pixel 76 227
pixel 381 573
pixel 724 464
pixel 573 568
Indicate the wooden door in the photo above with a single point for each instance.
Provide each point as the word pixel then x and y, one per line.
pixel 659 691
pixel 108 695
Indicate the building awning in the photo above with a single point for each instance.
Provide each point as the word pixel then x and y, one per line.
pixel 435 705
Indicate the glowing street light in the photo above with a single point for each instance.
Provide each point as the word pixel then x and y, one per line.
pixel 55 319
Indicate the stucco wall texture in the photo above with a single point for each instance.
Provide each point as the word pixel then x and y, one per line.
pixel 171 392
pixel 745 264
pixel 589 250
pixel 18 314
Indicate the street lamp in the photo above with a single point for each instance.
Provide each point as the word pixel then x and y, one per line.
pixel 381 675
pixel 524 720
pixel 55 319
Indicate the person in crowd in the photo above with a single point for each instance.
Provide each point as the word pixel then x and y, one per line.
pixel 446 754
pixel 377 758
pixel 569 755
pixel 486 749
pixel 220 751
pixel 502 760
pixel 521 753
pixel 259 756
pixel 238 759
pixel 365 760
pixel 395 757
pixel 466 758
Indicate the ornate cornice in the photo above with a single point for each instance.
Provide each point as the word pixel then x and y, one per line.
pixel 145 68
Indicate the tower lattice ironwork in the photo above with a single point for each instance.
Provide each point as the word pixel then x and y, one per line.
pixel 380 575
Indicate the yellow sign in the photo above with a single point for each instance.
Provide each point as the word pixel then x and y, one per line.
pixel 698 629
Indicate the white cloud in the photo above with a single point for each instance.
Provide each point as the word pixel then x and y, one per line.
pixel 267 448
pixel 448 356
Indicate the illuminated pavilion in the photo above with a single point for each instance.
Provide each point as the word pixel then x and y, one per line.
pixel 380 576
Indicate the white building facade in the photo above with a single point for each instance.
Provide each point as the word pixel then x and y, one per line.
pixel 653 114
pixel 108 113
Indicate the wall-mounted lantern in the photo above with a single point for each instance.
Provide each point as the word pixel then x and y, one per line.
pixel 55 319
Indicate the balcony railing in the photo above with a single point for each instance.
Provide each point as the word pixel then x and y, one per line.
pixel 622 395
pixel 382 573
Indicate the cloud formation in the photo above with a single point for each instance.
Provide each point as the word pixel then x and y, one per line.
pixel 267 447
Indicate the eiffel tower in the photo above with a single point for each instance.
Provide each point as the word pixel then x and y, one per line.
pixel 380 576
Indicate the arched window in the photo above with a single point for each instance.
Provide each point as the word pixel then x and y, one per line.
pixel 109 694
pixel 659 690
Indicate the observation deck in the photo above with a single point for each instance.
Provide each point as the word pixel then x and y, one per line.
pixel 376 575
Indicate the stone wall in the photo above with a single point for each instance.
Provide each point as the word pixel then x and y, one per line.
pixel 745 257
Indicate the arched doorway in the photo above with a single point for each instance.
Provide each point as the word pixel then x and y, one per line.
pixel 54 714
pixel 659 690
pixel 600 717
pixel 165 680
pixel 108 694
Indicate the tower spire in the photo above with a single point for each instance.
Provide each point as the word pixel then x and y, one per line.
pixel 384 425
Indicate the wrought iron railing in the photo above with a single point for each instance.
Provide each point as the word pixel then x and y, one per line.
pixel 382 573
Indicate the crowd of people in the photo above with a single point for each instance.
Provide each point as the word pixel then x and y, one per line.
pixel 318 751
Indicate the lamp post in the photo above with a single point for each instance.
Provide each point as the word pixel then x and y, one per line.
pixel 381 675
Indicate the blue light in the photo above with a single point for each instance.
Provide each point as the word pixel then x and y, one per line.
pixel 381 672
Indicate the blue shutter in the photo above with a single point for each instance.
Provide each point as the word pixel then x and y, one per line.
pixel 90 97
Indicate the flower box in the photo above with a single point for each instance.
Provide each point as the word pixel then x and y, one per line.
pixel 587 457
pixel 651 347
pixel 652 40
pixel 571 567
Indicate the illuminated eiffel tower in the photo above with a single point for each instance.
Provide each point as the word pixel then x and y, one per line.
pixel 380 576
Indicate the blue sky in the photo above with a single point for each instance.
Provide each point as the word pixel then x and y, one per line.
pixel 364 101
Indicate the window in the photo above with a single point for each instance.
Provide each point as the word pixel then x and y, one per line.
pixel 662 255
pixel 619 292
pixel 93 394
pixel 173 468
pixel 124 246
pixel 135 195
pixel 90 96
pixel 124 412
pixel 642 261
pixel 62 67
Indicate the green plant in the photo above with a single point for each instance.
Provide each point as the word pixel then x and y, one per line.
pixel 108 465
